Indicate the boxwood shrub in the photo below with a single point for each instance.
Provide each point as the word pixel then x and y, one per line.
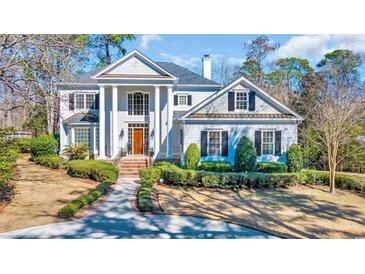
pixel 52 161
pixel 43 145
pixel 93 169
pixel 23 144
pixel 192 157
pixel 74 206
pixel 216 166
pixel 294 157
pixel 271 167
pixel 245 155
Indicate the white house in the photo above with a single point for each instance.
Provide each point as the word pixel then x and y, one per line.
pixel 138 106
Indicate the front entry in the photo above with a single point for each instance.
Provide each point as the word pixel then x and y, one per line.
pixel 138 141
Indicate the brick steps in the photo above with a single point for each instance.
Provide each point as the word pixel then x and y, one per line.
pixel 129 166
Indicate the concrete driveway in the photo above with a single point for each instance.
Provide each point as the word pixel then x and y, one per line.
pixel 116 218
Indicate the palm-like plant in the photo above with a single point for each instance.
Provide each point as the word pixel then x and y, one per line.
pixel 77 152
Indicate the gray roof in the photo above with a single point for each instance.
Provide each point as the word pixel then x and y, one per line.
pixel 81 118
pixel 186 77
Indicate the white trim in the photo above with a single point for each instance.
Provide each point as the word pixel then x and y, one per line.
pixel 134 52
pixel 229 87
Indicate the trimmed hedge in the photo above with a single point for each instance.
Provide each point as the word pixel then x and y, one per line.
pixel 9 153
pixel 271 167
pixel 74 206
pixel 216 166
pixel 52 161
pixel 93 169
pixel 148 176
pixel 43 145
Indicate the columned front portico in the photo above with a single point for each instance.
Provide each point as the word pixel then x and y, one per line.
pixel 135 112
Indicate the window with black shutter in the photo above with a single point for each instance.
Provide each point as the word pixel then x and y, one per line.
pixel 278 143
pixel 190 99
pixel 71 101
pixel 231 102
pixel 224 143
pixel 175 100
pixel 251 101
pixel 258 142
pixel 203 143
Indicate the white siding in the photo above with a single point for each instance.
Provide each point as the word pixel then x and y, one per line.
pixel 192 133
pixel 220 105
pixel 133 66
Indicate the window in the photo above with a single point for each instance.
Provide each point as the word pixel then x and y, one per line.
pixel 267 142
pixel 79 98
pixel 97 138
pixel 182 99
pixel 138 104
pixel 85 100
pixel 82 136
pixel 241 100
pixel 214 143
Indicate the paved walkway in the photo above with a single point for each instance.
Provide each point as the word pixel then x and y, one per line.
pixel 116 218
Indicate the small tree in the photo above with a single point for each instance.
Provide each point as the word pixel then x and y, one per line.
pixel 245 156
pixel 192 157
pixel 294 158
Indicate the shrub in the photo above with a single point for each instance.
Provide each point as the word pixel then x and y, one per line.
pixel 74 206
pixel 150 173
pixel 43 145
pixel 217 166
pixel 77 152
pixel 23 144
pixel 294 158
pixel 52 161
pixel 144 197
pixel 245 156
pixel 271 167
pixel 93 169
pixel 344 181
pixel 192 157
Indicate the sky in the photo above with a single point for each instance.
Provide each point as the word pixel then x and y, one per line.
pixel 187 50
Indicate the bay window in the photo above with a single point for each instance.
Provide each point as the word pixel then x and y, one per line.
pixel 82 136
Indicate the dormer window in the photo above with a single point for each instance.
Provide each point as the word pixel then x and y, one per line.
pixel 241 100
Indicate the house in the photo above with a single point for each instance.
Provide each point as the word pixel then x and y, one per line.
pixel 137 106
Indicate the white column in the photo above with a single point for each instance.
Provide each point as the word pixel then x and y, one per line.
pixel 114 125
pixel 94 139
pixel 170 106
pixel 101 122
pixel 157 122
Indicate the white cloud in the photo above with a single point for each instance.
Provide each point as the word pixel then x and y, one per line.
pixel 183 60
pixel 313 47
pixel 146 39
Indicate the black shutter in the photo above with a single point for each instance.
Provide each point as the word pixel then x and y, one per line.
pixel 189 100
pixel 231 95
pixel 251 100
pixel 71 101
pixel 175 100
pixel 278 143
pixel 224 143
pixel 258 142
pixel 203 143
pixel 96 101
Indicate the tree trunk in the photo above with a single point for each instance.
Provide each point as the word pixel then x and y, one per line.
pixel 332 158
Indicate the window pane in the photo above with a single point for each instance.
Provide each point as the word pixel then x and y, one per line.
pixel 90 100
pixel 268 142
pixel 182 100
pixel 214 143
pixel 241 100
pixel 82 136
pixel 146 104
pixel 79 98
